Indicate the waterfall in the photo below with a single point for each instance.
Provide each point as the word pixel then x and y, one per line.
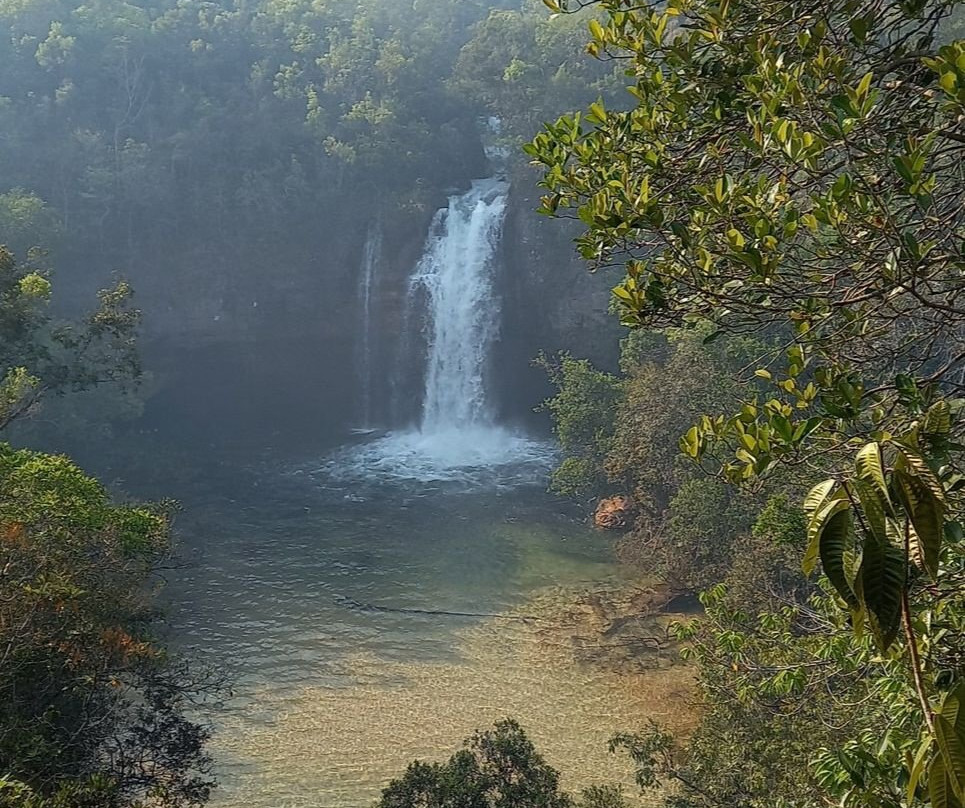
pixel 456 272
pixel 371 257
pixel 453 288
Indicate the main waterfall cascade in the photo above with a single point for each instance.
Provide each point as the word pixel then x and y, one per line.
pixel 457 438
pixel 457 275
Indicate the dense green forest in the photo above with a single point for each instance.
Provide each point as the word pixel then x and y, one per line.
pixel 781 189
pixel 134 128
pixel 229 160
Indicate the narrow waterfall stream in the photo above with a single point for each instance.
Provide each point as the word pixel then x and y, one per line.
pixel 368 287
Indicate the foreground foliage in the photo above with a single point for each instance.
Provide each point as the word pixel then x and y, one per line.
pixel 91 707
pixel 39 356
pixel 795 172
pixel 497 768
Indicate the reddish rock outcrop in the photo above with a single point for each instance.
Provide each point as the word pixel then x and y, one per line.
pixel 612 513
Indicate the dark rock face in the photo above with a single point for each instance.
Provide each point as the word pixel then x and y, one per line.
pixel 552 302
pixel 563 304
pixel 264 346
pixel 258 341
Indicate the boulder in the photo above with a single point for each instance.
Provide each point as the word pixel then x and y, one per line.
pixel 612 513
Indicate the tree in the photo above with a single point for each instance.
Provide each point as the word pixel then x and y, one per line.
pixel 497 768
pixel 796 171
pixel 522 68
pixel 619 434
pixel 39 356
pixel 91 706
pixel 584 419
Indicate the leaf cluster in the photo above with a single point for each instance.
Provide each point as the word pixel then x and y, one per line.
pixel 39 355
pixel 496 768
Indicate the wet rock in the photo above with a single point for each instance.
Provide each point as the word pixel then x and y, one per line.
pixel 651 598
pixel 606 629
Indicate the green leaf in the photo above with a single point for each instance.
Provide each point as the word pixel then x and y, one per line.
pixel 598 111
pixel 927 516
pixel 870 467
pixel 872 507
pixel 917 466
pixel 939 787
pixel 859 28
pixel 938 419
pixel 882 582
pixel 806 428
pixel 951 745
pixel 940 790
pixel 817 496
pixel 917 768
pixel 690 443
pixel 836 544
pixel 951 707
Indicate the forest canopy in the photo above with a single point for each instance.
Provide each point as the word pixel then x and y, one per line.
pixel 138 121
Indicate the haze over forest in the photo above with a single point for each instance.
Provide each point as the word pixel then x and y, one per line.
pixel 436 403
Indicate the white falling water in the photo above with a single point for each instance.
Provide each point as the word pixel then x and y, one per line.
pixel 371 257
pixel 457 274
pixel 457 439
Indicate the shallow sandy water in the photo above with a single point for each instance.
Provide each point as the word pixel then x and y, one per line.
pixel 332 700
pixel 338 746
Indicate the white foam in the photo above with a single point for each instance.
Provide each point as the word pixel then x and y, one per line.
pixel 474 456
pixel 457 273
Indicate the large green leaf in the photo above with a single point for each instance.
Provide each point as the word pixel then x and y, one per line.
pixel 940 789
pixel 815 508
pixel 873 514
pixel 916 465
pixel 871 469
pixel 952 747
pixel 953 707
pixel 950 737
pixel 832 505
pixel 927 515
pixel 938 419
pixel 882 575
pixel 917 767
pixel 817 496
pixel 836 542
